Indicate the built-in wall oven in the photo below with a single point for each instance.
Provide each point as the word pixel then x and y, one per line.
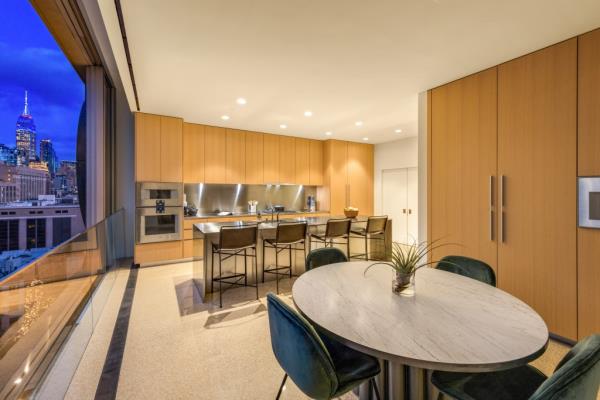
pixel 589 202
pixel 159 212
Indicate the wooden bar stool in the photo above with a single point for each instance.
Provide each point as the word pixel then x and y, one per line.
pixel 335 229
pixel 234 241
pixel 287 237
pixel 375 226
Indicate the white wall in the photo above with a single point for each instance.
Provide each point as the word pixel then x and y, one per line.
pixel 402 153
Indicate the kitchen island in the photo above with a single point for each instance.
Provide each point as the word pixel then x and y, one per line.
pixel 207 233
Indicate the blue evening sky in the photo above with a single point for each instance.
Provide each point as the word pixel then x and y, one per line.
pixel 30 59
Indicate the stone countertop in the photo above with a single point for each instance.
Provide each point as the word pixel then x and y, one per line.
pixel 248 214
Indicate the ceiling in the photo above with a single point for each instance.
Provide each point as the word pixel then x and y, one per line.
pixel 344 60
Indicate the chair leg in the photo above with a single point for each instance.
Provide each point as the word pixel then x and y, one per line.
pixel 256 272
pixel 281 387
pixel 348 246
pixel 212 268
pixel 220 284
pixel 366 248
pixel 245 269
pixel 290 261
pixel 277 266
pixel 263 259
pixel 440 396
pixel 375 389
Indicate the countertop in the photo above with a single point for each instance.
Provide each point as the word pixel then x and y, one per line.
pixel 247 214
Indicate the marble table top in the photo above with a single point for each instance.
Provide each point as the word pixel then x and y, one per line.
pixel 453 323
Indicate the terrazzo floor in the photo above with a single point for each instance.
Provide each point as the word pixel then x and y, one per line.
pixel 177 348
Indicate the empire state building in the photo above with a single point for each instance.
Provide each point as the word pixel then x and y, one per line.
pixel 26 145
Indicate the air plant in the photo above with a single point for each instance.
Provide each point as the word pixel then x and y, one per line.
pixel 407 258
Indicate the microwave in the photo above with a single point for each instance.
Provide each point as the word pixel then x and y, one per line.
pixel 149 194
pixel 159 225
pixel 589 202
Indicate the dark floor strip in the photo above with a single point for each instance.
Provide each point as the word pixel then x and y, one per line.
pixel 109 380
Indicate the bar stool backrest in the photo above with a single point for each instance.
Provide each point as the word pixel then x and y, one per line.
pixel 237 237
pixel 377 224
pixel 338 227
pixel 290 232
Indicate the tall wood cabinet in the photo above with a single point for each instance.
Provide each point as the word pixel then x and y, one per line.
pixel 158 148
pixel 316 162
pixel 287 159
pixel 254 158
pixel 235 156
pixel 193 153
pixel 463 165
pixel 302 149
pixel 271 158
pixel 588 242
pixel 215 155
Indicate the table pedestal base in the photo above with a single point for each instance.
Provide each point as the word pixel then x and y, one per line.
pixel 400 382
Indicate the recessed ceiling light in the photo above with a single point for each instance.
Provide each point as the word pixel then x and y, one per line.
pixel 365 139
pixel 241 101
pixel 328 133
pixel 308 113
pixel 224 117
pixel 283 126
pixel 398 131
pixel 358 123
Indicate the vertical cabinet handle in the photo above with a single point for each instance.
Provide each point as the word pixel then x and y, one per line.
pixel 492 208
pixel 404 211
pixel 502 197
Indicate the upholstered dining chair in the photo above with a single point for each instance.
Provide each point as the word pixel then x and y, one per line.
pixel 323 256
pixel 576 377
pixel 321 367
pixel 468 267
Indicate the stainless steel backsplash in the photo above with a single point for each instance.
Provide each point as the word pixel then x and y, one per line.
pixel 210 198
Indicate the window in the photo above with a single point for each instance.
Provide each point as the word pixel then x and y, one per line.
pixel 61 230
pixel 9 234
pixel 36 233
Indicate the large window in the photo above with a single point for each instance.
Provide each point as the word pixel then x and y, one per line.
pixel 41 98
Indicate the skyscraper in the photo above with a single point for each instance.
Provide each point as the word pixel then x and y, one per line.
pixel 48 154
pixel 25 135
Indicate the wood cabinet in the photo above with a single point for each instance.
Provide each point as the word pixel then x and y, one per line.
pixel 287 159
pixel 215 143
pixel 235 166
pixel 254 158
pixel 537 154
pixel 271 158
pixel 147 147
pixel 171 149
pixel 152 253
pixel 315 162
pixel 302 148
pixel 588 240
pixel 193 153
pixel 360 177
pixel 463 167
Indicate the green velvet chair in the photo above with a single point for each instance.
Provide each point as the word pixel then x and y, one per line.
pixel 576 377
pixel 468 267
pixel 320 366
pixel 324 256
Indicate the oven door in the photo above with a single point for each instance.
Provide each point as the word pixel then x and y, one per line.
pixel 149 192
pixel 589 202
pixel 158 227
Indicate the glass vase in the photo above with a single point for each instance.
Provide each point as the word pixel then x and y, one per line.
pixel 404 284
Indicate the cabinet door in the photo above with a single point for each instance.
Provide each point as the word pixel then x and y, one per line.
pixel 193 153
pixel 360 177
pixel 537 155
pixel 171 149
pixel 147 147
pixel 271 158
pixel 336 156
pixel 235 156
pixel 287 159
pixel 302 147
pixel 588 273
pixel 316 163
pixel 214 154
pixel 463 167
pixel 254 158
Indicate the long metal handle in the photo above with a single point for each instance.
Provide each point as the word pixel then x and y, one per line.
pixel 492 208
pixel 502 190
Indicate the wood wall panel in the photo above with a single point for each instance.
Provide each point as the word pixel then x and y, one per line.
pixel 215 143
pixel 235 165
pixel 287 159
pixel 254 158
pixel 359 166
pixel 147 147
pixel 337 155
pixel 463 160
pixel 537 150
pixel 316 163
pixel 171 149
pixel 589 104
pixel 193 153
pixel 271 158
pixel 588 244
pixel 302 157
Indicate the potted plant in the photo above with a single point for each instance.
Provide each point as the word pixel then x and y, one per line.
pixel 406 259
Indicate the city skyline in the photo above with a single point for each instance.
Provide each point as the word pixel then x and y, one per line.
pixel 31 60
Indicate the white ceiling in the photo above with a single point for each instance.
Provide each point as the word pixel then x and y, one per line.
pixel 345 60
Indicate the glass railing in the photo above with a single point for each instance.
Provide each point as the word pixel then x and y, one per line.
pixel 43 303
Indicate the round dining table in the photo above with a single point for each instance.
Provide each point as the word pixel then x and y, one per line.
pixel 452 323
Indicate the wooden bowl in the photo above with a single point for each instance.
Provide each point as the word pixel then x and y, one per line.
pixel 351 213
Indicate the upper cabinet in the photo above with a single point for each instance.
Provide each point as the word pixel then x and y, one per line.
pixel 254 158
pixel 215 144
pixel 589 104
pixel 287 159
pixel 158 148
pixel 271 158
pixel 193 153
pixel 315 162
pixel 235 165
pixel 302 161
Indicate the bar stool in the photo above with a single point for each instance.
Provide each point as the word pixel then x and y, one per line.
pixel 234 241
pixel 375 226
pixel 336 228
pixel 287 236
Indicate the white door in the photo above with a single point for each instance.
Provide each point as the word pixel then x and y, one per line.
pixel 394 201
pixel 400 202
